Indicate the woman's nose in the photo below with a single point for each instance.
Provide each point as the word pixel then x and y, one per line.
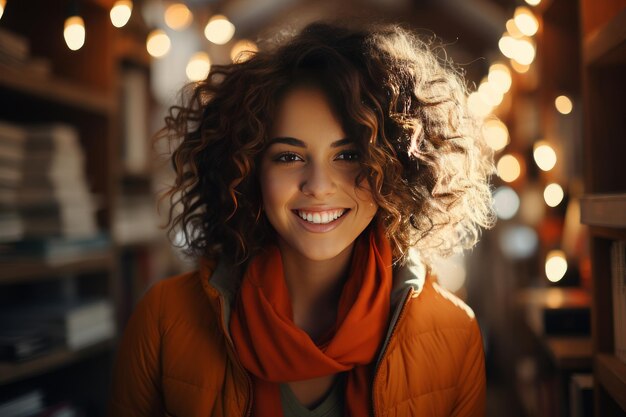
pixel 318 181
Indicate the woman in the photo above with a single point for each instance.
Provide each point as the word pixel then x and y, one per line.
pixel 306 176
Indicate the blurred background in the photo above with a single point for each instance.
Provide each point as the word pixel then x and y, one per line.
pixel 84 85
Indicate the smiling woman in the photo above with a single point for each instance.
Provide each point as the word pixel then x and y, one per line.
pixel 304 177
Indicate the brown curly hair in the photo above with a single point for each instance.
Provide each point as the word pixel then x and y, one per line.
pixel 421 150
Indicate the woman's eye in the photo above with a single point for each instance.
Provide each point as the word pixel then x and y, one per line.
pixel 287 157
pixel 350 156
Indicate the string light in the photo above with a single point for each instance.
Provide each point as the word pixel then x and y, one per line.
pixel 120 12
pixel 198 66
pixel 563 104
pixel 178 16
pixel 477 106
pixel 544 156
pixel 500 77
pixel 158 43
pixel 519 68
pixel 526 21
pixel 242 50
pixel 74 32
pixel 219 30
pixel 509 168
pixel 3 4
pixel 496 134
pixel 556 265
pixel 490 94
pixel 513 30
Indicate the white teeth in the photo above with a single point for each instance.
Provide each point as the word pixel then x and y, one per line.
pixel 321 218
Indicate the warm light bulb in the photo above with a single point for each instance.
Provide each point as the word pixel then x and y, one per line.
pixel 490 94
pixel 158 43
pixel 563 104
pixel 506 202
pixel 477 106
pixel 523 52
pixel 500 77
pixel 496 134
pixel 507 45
pixel 544 156
pixel 519 68
pixel 556 265
pixel 553 194
pixel 198 66
pixel 3 4
pixel 533 2
pixel 509 168
pixel 120 12
pixel 243 50
pixel 513 30
pixel 178 16
pixel 526 21
pixel 219 30
pixel 74 32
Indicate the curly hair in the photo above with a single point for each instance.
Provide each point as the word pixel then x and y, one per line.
pixel 422 151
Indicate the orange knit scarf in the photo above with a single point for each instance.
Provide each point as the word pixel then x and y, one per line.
pixel 274 350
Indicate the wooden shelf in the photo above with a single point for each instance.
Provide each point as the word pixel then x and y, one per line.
pixel 607 46
pixel 604 210
pixel 611 373
pixel 11 372
pixel 22 271
pixel 570 353
pixel 57 91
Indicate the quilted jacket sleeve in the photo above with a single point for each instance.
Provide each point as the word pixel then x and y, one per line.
pixel 472 380
pixel 136 388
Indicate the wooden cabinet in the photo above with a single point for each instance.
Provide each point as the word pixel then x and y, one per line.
pixel 604 206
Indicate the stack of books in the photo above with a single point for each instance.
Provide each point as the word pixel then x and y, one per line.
pixel 45 202
pixel 69 324
pixel 15 56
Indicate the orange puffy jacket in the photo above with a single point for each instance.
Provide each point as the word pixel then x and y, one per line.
pixel 176 357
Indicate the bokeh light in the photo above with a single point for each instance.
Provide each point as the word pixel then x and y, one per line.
pixel 553 194
pixel 563 104
pixel 198 66
pixel 544 156
pixel 556 265
pixel 219 30
pixel 506 202
pixel 178 16
pixel 74 32
pixel 242 50
pixel 509 168
pixel 158 43
pixel 496 134
pixel 500 77
pixel 526 21
pixel 121 12
pixel 519 242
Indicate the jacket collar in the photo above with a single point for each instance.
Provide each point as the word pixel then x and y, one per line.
pixel 223 281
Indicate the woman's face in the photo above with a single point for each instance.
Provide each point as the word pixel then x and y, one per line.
pixel 308 177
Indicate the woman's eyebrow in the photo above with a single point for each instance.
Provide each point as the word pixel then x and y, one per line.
pixel 301 144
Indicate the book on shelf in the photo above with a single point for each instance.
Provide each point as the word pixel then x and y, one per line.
pixel 27 404
pixel 55 250
pixel 43 185
pixel 20 344
pixel 557 311
pixel 618 283
pixel 135 220
pixel 74 324
pixel 15 55
pixel 581 395
pixel 135 149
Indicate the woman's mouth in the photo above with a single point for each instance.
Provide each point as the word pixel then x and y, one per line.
pixel 320 217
